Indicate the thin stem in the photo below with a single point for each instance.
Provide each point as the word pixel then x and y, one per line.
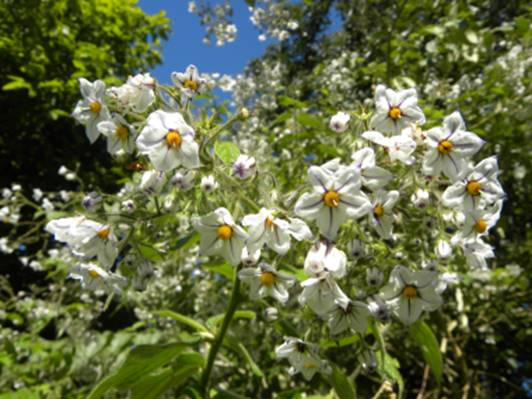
pixel 231 308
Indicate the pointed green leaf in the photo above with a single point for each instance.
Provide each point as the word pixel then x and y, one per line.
pixel 227 151
pixel 182 319
pixel 343 387
pixel 426 340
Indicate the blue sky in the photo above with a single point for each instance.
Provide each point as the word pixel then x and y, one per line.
pixel 185 45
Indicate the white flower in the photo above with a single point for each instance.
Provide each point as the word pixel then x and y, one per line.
pixel 420 198
pixel 87 238
pixel 47 205
pixel 95 278
pixel 399 148
pixel 368 360
pixel 373 176
pixel 355 248
pixel 183 179
pixel 411 292
pixel 320 294
pixel 128 206
pixel 137 93
pixel 379 309
pixel 152 181
pixel 168 141
pixel 208 184
pixel 374 277
pixel 478 222
pixel 443 249
pixel 448 146
pixel 70 176
pixel 324 259
pixel 335 197
pixel 120 134
pixel 190 82
pixel 244 167
pixel 265 281
pixel 265 228
pixel 347 315
pixel 382 216
pixel 477 252
pixel 395 110
pixel 301 357
pixel 250 258
pixel 339 122
pixel 91 110
pixel 221 235
pixel 37 194
pixel 6 193
pixel 477 189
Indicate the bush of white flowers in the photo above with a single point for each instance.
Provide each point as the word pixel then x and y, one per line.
pixel 317 255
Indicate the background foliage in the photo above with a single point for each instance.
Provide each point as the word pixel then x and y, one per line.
pixel 474 56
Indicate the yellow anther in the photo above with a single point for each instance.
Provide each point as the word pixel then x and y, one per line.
pixel 267 279
pixel 269 222
pixel 378 211
pixel 481 226
pixel 191 84
pixel 445 147
pixel 410 291
pixel 473 188
pixel 94 274
pixel 394 113
pixel 103 233
pixel 95 107
pixel 225 232
pixel 122 132
pixel 173 139
pixel 331 199
pixel 310 365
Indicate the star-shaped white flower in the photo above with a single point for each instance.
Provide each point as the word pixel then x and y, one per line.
pixel 395 110
pixel 221 235
pixel 449 145
pixel 91 110
pixel 87 238
pixel 265 228
pixel 168 141
pixel 302 358
pixel 265 281
pixel 348 314
pixel 373 176
pixel 189 82
pixel 477 252
pixel 478 222
pixel 120 134
pixel 382 216
pixel 95 278
pixel 410 292
pixel 399 147
pixel 335 197
pixel 477 189
pixel 137 93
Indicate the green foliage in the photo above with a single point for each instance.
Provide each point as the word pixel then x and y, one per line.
pixel 425 339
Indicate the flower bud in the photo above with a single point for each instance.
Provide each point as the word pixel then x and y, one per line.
pixel 355 248
pixel 368 360
pixel 244 167
pixel 443 249
pixel 339 122
pixel 152 182
pixel 420 198
pixel 271 314
pixel 250 258
pixel 374 277
pixel 208 184
pixel 183 180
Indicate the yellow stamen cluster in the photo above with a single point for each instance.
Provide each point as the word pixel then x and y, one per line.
pixel 104 233
pixel 480 226
pixel 94 274
pixel 331 199
pixel 410 291
pixel 225 232
pixel 267 279
pixel 173 139
pixel 310 365
pixel 95 107
pixel 122 132
pixel 378 211
pixel 473 188
pixel 269 222
pixel 394 113
pixel 191 84
pixel 445 147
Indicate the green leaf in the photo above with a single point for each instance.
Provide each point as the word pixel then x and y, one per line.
pixel 186 242
pixel 290 102
pixel 182 319
pixel 239 348
pixel 223 268
pixel 342 385
pixel 426 340
pixel 227 151
pixel 18 83
pixel 141 361
pixel 310 120
pixel 214 321
pixel 388 368
pixel 149 253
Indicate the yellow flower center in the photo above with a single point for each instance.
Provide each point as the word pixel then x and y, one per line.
pixel 103 234
pixel 410 291
pixel 394 113
pixel 473 188
pixel 94 274
pixel 310 365
pixel 269 222
pixel 445 147
pixel 191 84
pixel 378 211
pixel 95 107
pixel 122 132
pixel 225 232
pixel 267 279
pixel 481 226
pixel 173 139
pixel 331 199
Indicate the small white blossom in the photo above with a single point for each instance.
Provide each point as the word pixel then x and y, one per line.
pixel 443 249
pixel 95 278
pixel 302 358
pixel 399 147
pixel 208 184
pixel 382 216
pixel 183 179
pixel 373 176
pixel 152 181
pixel 265 281
pixel 374 277
pixel 244 166
pixel 339 122
pixel 348 315
pixel 91 110
pixel 420 198
pixel 189 82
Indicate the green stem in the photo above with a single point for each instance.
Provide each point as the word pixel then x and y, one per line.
pixel 231 308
